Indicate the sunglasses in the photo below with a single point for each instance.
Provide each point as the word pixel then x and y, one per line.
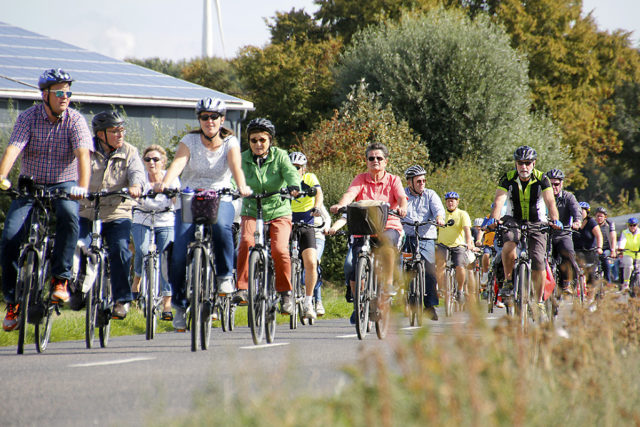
pixel 556 184
pixel 524 162
pixel 63 93
pixel 149 159
pixel 298 167
pixel 420 181
pixel 633 225
pixel 256 140
pixel 373 159
pixel 206 117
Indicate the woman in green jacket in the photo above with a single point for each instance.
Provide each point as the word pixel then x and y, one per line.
pixel 267 168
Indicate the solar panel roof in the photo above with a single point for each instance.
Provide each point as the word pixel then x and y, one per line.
pixel 97 78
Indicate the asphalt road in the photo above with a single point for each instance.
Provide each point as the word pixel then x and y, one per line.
pixel 134 380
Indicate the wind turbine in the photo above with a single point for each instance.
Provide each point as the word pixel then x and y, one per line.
pixel 207 29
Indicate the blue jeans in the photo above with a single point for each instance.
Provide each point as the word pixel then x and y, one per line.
pixel 223 250
pixel 141 234
pixel 116 235
pixel 428 253
pixel 16 227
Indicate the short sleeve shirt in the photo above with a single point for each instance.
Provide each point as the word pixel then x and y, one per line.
pixel 48 148
pixel 524 201
pixel 301 207
pixel 453 235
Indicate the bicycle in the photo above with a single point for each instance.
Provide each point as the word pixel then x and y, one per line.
pixel 34 269
pixel 453 297
pixel 263 298
pixel 520 302
pixel 581 282
pixel 634 278
pixel 201 291
pixel 98 298
pixel 152 302
pixel 297 269
pixel 412 262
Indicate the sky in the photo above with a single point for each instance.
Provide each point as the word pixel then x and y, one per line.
pixel 172 29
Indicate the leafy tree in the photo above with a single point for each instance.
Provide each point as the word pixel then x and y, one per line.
pixel 458 84
pixel 290 83
pixel 214 73
pixel 295 24
pixel 165 66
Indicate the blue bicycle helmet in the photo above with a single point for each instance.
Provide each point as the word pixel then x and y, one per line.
pixel 585 205
pixel 261 125
pixel 52 76
pixel 451 195
pixel 632 221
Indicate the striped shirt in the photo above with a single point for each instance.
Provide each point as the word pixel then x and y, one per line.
pixel 48 148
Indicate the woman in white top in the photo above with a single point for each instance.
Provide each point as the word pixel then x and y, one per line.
pixel 155 160
pixel 206 158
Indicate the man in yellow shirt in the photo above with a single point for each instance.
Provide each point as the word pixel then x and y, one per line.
pixel 455 239
pixel 630 243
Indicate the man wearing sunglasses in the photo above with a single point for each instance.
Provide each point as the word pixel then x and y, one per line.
pixel 628 248
pixel 561 240
pixel 55 144
pixel 528 195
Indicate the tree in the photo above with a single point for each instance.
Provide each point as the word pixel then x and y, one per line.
pixel 458 83
pixel 165 66
pixel 290 83
pixel 295 24
pixel 214 73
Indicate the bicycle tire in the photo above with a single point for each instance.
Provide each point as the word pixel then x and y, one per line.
pixel 411 297
pixel 421 292
pixel 91 313
pixel 271 297
pixel 364 274
pixel 224 306
pixel 207 304
pixel 44 325
pixel 449 292
pixel 232 315
pixel 149 285
pixel 26 278
pixel 295 286
pixel 105 302
pixel 383 311
pixel 523 280
pixel 195 283
pixel 256 305
pixel 491 296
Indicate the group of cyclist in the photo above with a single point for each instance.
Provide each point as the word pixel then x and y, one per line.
pixel 59 152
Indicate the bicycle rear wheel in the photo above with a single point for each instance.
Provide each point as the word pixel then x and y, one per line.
pixel 272 306
pixel 26 281
pixel 105 303
pixel 41 303
pixel 362 287
pixel 149 285
pixel 232 315
pixel 256 305
pixel 195 279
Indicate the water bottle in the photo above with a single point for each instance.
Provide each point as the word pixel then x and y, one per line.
pixel 186 196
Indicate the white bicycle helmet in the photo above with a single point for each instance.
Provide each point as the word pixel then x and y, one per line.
pixel 297 158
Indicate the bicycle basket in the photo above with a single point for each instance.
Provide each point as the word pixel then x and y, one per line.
pixel 367 217
pixel 204 207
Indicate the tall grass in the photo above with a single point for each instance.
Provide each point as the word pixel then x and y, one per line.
pixel 475 375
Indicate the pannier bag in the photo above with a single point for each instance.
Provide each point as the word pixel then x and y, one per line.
pixel 367 217
pixel 204 207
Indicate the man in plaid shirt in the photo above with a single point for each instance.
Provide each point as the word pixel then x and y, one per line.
pixel 55 144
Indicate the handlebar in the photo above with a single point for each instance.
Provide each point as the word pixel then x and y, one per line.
pixel 428 222
pixel 124 192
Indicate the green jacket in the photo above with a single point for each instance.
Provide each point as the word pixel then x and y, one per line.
pixel 276 172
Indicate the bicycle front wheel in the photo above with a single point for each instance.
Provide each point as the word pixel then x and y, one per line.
pixel 272 306
pixel 256 306
pixel 149 286
pixel 206 304
pixel 195 279
pixel 105 304
pixel 44 322
pixel 523 289
pixel 449 296
pixel 364 274
pixel 383 311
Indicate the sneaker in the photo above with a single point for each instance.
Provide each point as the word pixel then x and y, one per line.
pixel 286 306
pixel 225 285
pixel 348 294
pixel 390 290
pixel 11 319
pixel 500 304
pixel 60 292
pixel 625 287
pixel 180 320
pixel 431 313
pixel 319 308
pixel 507 288
pixel 484 278
pixel 308 312
pixel 240 297
pixel 566 289
pixel 120 310
pixel 352 319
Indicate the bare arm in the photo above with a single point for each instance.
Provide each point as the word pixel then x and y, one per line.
pixel 613 243
pixel 550 201
pixel 498 203
pixel 84 167
pixel 468 237
pixel 176 167
pixel 8 159
pixel 598 233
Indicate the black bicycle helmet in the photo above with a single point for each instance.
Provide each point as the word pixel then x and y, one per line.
pixel 261 125
pixel 601 210
pixel 525 153
pixel 106 119
pixel 52 76
pixel 212 105
pixel 555 174
pixel 415 170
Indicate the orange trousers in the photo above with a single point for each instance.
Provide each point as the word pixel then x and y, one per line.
pixel 279 232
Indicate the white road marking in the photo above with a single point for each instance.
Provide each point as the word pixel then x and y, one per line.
pixel 111 362
pixel 347 336
pixel 254 347
pixel 410 328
